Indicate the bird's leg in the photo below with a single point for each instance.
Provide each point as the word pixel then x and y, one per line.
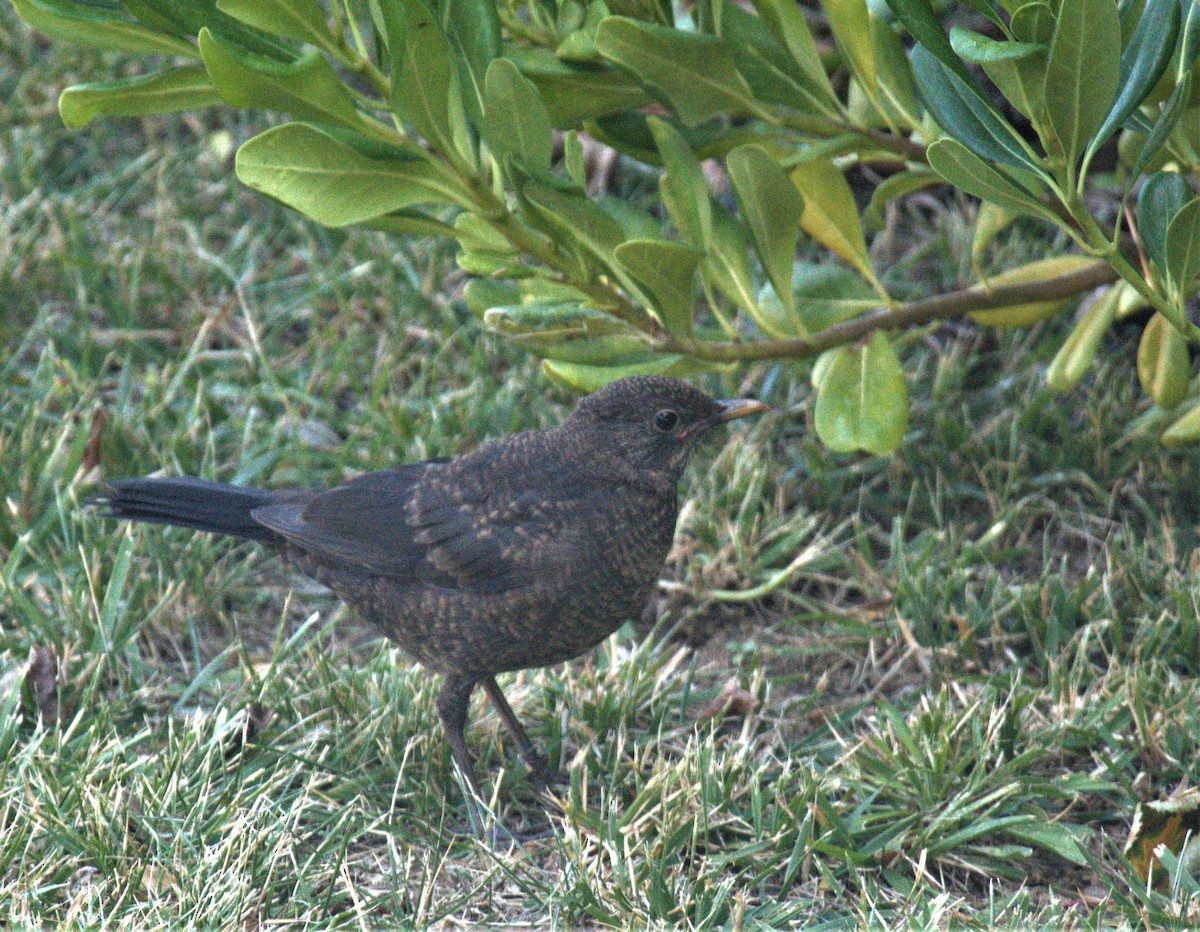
pixel 539 768
pixel 453 703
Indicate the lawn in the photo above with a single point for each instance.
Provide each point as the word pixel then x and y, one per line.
pixel 922 691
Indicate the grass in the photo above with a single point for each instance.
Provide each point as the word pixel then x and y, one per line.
pixel 962 667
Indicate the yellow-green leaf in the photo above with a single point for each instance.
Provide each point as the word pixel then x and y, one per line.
pixel 168 91
pixel 1079 349
pixel 830 213
pixel 1185 430
pixel 666 272
pixel 862 399
pixel 1023 315
pixel 1082 71
pixel 1163 365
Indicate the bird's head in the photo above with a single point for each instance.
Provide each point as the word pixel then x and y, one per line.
pixel 653 424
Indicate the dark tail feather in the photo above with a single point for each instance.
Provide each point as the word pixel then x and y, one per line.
pixel 186 502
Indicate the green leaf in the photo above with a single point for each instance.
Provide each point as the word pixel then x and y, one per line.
pixel 388 18
pixel 966 116
pixel 573 94
pixel 293 19
pixel 99 28
pixel 666 272
pixel 764 62
pixel 1152 143
pixel 862 399
pixel 1082 71
pixel 786 21
pixel 1050 836
pixel 583 378
pixel 1142 63
pixel 990 222
pixel 682 187
pixel 333 184
pixel 825 295
pixel 1163 364
pixel 979 49
pixel 169 91
pixel 1162 197
pixel 1079 349
pixel 830 213
pixel 694 74
pixel 1183 249
pixel 308 88
pixel 967 171
pixel 922 22
pixel 1185 430
pixel 425 87
pixel 1189 46
pixel 727 266
pixel 1033 22
pixel 897 186
pixel 473 28
pixel 573 219
pixel 897 92
pixel 567 332
pixel 516 122
pixel 771 207
pixel 851 27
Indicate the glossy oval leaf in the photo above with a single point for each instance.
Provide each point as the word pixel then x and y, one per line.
pixel 694 74
pixel 333 184
pixel 1082 71
pixel 862 399
pixel 1163 364
pixel 666 272
pixel 184 88
pixel 1078 351
pixel 850 24
pixel 771 207
pixel 515 120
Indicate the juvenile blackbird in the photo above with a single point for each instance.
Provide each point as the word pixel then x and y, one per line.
pixel 523 553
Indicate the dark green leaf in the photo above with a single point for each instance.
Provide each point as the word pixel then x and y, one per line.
pixel 473 28
pixel 184 88
pixel 1172 110
pixel 1082 71
pixel 1161 198
pixel 1183 249
pixel 694 74
pixel 919 18
pixel 574 94
pixel 897 186
pixel 1142 63
pixel 964 116
pixel 786 21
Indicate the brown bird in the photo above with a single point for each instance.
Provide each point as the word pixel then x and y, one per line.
pixel 523 553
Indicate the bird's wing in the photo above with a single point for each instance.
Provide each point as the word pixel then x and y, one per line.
pixel 468 529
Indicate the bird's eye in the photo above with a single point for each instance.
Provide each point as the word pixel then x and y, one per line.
pixel 666 420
